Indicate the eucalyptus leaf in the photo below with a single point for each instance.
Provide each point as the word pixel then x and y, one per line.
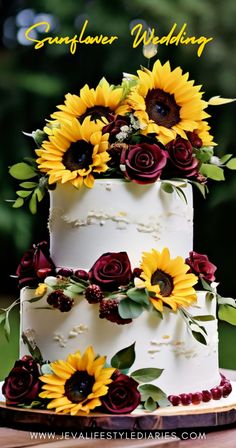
pixel 212 171
pixel 149 390
pixel 231 164
pixel 227 313
pixel 79 281
pixel 181 194
pixel 206 285
pixel 199 337
pixel 124 358
pixel 225 158
pixel 128 309
pixel 40 193
pixel 226 301
pixel 2 317
pixel 29 185
pixel 146 375
pixel 35 299
pixel 201 187
pixel 22 171
pixel 18 203
pixel 7 327
pixel 167 187
pixel 204 153
pixel 33 204
pixel 205 318
pixel 76 289
pixel 150 405
pixel 23 193
pixel 138 295
pixel 164 402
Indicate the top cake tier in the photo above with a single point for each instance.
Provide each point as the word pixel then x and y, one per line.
pixel 117 216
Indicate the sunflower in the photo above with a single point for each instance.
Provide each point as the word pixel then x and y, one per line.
pixel 167 280
pixel 94 103
pixel 77 383
pixel 74 152
pixel 166 102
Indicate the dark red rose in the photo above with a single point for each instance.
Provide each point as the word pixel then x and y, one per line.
pixel 194 139
pixel 181 161
pixel 122 396
pixel 143 163
pixel 35 265
pixel 111 270
pixel 22 384
pixel 201 266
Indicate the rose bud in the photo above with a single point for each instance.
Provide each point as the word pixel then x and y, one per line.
pixel 201 266
pixel 111 270
pixel 181 161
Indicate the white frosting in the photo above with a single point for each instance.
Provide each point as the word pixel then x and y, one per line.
pixel 117 216
pixel 188 365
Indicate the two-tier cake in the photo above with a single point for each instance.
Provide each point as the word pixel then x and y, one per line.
pixel 122 301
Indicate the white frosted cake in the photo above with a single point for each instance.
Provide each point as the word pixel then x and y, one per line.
pixel 122 308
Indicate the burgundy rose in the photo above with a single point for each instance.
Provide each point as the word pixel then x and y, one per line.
pixel 22 384
pixel 201 266
pixel 111 270
pixel 143 163
pixel 35 264
pixel 181 160
pixel 122 396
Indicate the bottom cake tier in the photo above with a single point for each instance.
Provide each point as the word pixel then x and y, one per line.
pixel 188 365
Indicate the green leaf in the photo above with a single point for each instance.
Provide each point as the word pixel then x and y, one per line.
pixel 125 358
pixel 7 327
pixel 164 402
pixel 231 164
pixel 227 313
pixel 128 309
pixel 33 204
pixel 181 194
pixel 18 203
pixel 150 405
pixel 35 299
pixel 40 193
pixel 167 187
pixel 39 136
pixel 78 281
pixel 75 289
pixel 204 153
pixel 138 295
pixel 206 285
pixel 22 171
pixel 33 349
pixel 146 375
pixel 201 187
pixel 149 390
pixel 199 337
pixel 226 301
pixel 29 185
pixel 212 171
pixel 2 316
pixel 225 158
pixel 205 318
pixel 23 193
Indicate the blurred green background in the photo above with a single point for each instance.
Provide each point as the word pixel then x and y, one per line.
pixel 33 82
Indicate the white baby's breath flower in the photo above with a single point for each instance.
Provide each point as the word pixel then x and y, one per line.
pixel 214 160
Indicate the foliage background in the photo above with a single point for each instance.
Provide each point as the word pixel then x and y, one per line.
pixel 33 82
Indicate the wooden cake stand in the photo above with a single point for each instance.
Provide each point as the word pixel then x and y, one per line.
pixel 210 415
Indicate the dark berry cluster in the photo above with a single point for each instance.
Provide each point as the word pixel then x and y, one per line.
pixel 57 299
pixel 216 393
pixel 93 294
pixel 109 310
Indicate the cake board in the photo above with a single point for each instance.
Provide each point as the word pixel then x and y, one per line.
pixel 209 416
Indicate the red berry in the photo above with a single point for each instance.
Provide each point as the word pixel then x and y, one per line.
pixel 44 272
pixel 226 389
pixel 66 304
pixel 186 399
pixel 174 399
pixel 206 396
pixel 93 294
pixel 64 272
pixel 216 393
pixel 80 273
pixel 53 298
pixel 196 398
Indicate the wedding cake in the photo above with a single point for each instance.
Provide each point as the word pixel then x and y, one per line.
pixel 121 306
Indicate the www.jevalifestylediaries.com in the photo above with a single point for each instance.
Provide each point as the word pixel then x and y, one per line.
pixel 139 34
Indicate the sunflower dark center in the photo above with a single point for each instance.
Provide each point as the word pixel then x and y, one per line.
pixel 161 107
pixel 96 113
pixel 164 281
pixel 78 156
pixel 79 386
